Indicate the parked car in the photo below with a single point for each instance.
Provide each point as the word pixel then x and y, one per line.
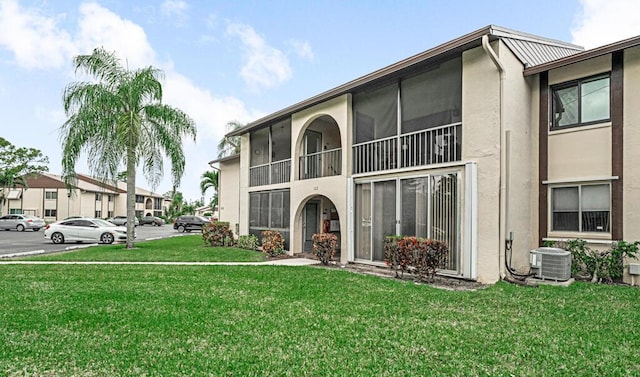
pixel 189 223
pixel 85 230
pixel 21 222
pixel 121 220
pixel 151 220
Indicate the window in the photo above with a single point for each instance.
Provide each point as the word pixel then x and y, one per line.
pixel 50 213
pixel 581 208
pixel 110 198
pixel 139 199
pixel 15 211
pixel 109 213
pixel 98 214
pixel 269 210
pixel 51 195
pixel 98 198
pixel 375 113
pixel 581 102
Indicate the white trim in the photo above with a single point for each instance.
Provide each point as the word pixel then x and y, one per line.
pixel 470 236
pixel 578 180
pixel 350 220
pixel 430 167
pixel 591 241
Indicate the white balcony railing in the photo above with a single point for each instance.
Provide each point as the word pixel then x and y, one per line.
pixel 268 174
pixel 321 164
pixel 433 146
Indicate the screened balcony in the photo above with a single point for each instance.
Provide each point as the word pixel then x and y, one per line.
pixel 321 164
pixel 269 174
pixel 422 148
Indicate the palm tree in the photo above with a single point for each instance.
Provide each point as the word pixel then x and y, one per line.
pixel 228 146
pixel 119 119
pixel 210 180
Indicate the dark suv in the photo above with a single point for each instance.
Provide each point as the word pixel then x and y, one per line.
pixel 189 223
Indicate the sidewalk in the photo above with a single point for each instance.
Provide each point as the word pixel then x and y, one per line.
pixel 279 262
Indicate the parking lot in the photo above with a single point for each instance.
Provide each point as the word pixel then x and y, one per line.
pixel 29 242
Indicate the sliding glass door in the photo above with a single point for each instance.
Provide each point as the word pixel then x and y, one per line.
pixel 425 206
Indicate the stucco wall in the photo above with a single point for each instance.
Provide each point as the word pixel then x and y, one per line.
pixel 335 187
pixel 481 143
pixel 520 184
pixel 631 173
pixel 228 194
pixel 580 153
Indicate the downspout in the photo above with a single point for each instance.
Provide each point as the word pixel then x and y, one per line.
pixel 503 179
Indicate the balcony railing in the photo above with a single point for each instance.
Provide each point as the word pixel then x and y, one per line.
pixel 433 146
pixel 321 164
pixel 269 174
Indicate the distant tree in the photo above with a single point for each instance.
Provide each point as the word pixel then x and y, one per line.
pixel 17 164
pixel 119 119
pixel 177 202
pixel 228 146
pixel 188 209
pixel 210 180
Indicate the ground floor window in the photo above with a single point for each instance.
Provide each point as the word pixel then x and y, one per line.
pixel 425 206
pixel 581 208
pixel 15 211
pixel 98 214
pixel 50 213
pixel 269 210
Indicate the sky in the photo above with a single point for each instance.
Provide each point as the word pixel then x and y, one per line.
pixel 240 60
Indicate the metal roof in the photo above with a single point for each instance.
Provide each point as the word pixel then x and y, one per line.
pixel 528 53
pixel 532 53
pixel 584 55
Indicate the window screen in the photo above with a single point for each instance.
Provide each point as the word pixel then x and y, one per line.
pixel 376 113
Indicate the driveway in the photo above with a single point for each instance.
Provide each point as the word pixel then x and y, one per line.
pixel 12 242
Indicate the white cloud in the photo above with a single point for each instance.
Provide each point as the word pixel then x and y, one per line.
pixel 302 49
pixel 39 41
pixel 175 10
pixel 35 40
pixel 605 21
pixel 99 26
pixel 265 66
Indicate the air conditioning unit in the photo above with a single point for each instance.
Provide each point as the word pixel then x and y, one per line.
pixel 550 263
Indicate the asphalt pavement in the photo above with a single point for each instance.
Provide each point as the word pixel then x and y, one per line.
pixel 28 242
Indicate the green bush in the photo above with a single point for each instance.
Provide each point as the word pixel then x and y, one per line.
pixel 272 242
pixel 420 256
pixel 217 233
pixel 324 246
pixel 599 265
pixel 248 242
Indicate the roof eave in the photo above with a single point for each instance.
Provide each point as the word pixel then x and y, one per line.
pixel 581 56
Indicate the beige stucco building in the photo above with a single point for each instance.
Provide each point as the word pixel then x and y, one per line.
pixel 495 138
pixel 48 197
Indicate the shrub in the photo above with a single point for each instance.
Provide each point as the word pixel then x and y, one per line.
pixel 599 265
pixel 272 242
pixel 421 256
pixel 248 242
pixel 217 233
pixel 396 257
pixel 324 246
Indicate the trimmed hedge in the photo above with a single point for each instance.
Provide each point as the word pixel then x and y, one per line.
pixel 419 256
pixel 272 243
pixel 217 233
pixel 248 242
pixel 324 246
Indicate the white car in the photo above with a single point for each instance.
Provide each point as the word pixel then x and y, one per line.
pixel 85 230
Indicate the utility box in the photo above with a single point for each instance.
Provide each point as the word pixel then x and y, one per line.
pixel 550 263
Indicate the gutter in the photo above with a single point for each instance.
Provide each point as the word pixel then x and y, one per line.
pixel 503 179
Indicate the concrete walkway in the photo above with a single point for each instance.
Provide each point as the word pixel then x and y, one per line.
pixel 277 262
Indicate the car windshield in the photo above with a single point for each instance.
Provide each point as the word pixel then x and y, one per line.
pixel 101 222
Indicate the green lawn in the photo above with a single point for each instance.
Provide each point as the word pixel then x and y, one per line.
pixel 62 320
pixel 175 249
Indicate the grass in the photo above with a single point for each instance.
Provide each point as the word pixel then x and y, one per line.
pixel 175 249
pixel 276 321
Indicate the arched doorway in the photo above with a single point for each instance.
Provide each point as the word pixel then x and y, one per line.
pixel 319 215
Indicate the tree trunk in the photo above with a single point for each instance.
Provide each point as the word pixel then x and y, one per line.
pixel 131 198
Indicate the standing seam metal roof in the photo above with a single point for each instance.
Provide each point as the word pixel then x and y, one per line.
pixel 534 53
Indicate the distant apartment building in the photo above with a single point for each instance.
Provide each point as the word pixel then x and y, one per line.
pixel 48 197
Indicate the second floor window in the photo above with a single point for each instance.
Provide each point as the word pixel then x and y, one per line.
pixel 139 199
pixel 98 198
pixel 51 195
pixel 581 102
